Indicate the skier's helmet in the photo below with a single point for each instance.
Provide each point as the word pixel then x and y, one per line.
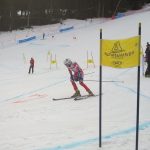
pixel 67 62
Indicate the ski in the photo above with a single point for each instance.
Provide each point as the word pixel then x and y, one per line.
pixel 63 98
pixel 75 98
pixel 84 97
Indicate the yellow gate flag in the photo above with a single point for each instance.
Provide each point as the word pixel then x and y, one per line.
pixel 120 53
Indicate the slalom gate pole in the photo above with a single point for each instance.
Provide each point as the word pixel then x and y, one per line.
pixel 138 93
pixel 100 91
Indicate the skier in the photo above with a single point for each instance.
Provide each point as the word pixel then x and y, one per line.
pixel 31 65
pixel 76 74
pixel 147 52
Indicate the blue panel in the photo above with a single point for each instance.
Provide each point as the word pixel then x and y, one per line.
pixel 66 29
pixel 27 39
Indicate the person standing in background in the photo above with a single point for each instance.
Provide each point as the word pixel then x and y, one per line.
pixel 147 56
pixel 43 36
pixel 31 65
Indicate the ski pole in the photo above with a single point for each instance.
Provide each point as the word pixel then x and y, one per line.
pixel 105 81
pixel 89 73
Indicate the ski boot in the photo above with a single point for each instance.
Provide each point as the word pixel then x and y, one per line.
pixel 90 93
pixel 76 94
pixel 147 75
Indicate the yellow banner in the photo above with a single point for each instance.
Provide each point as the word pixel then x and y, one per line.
pixel 120 53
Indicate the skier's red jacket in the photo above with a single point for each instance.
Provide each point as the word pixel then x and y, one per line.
pixel 32 62
pixel 76 70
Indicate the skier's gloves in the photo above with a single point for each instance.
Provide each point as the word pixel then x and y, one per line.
pixel 75 78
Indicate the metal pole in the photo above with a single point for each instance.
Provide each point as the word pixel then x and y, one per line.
pixel 100 92
pixel 138 92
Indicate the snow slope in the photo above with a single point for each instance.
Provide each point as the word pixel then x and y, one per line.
pixel 30 120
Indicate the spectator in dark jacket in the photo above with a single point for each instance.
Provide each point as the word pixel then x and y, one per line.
pixel 31 65
pixel 147 56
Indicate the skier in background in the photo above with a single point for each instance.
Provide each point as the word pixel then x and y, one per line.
pixel 147 56
pixel 76 74
pixel 31 65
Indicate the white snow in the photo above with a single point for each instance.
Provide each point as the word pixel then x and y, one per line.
pixel 31 120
